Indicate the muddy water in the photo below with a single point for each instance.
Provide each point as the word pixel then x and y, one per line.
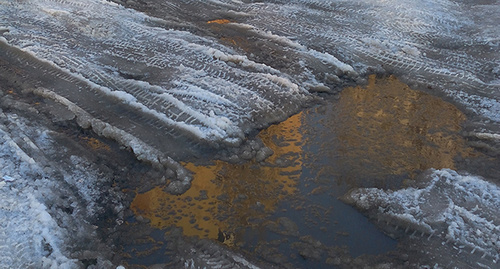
pixel 385 131
pixel 285 210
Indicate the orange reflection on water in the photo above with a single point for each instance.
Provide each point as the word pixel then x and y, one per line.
pixel 387 128
pixel 224 196
pixel 219 21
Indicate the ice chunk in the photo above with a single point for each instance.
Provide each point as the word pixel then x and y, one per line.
pixel 326 57
pixel 411 50
pixel 8 178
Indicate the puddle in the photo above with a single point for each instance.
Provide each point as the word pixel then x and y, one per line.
pixel 378 135
pixel 225 196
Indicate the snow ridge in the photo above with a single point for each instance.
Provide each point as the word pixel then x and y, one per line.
pixel 461 209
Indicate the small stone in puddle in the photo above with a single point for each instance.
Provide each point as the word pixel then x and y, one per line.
pixel 283 226
pixel 203 195
pixel 309 248
pixel 288 226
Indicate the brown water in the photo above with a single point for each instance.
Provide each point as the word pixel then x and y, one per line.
pixel 378 135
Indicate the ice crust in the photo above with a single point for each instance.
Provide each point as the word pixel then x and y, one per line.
pixel 460 209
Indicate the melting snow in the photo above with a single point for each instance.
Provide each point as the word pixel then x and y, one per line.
pixel 459 208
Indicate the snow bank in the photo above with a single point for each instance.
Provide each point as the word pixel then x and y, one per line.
pixel 449 46
pixel 481 105
pixel 48 197
pixel 458 208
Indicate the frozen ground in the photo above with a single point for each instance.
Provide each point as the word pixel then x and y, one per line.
pixel 176 80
